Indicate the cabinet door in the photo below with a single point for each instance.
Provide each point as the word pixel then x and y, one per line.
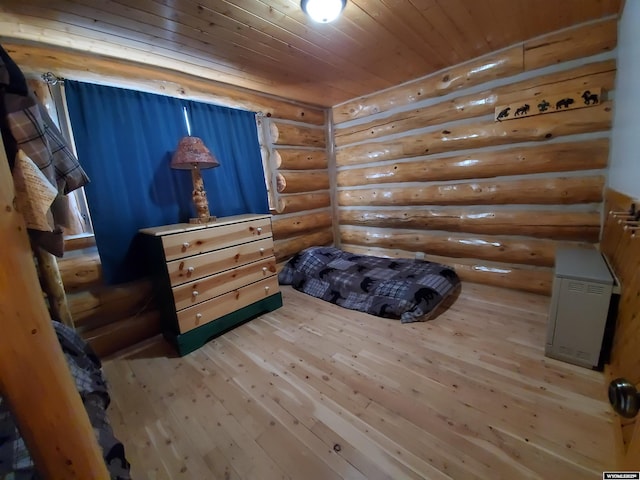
pixel 580 320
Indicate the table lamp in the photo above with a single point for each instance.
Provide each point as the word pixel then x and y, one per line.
pixel 192 154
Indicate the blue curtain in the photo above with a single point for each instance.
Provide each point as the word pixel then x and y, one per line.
pixel 125 140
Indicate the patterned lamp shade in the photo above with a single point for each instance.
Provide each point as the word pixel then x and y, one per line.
pixel 192 153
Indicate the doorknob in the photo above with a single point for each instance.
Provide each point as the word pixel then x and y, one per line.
pixel 624 397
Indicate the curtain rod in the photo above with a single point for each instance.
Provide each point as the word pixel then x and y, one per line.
pixel 51 78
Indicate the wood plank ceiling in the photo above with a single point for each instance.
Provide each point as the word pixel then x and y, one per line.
pixel 272 47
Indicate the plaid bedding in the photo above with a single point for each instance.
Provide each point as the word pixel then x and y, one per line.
pixel 15 461
pixel 391 288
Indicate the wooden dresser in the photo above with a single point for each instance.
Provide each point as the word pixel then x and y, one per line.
pixel 209 278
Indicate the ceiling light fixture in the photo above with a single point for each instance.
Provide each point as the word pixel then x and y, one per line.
pixel 323 11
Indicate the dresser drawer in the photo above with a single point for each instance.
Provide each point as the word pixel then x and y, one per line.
pixel 198 291
pixel 194 268
pixel 185 244
pixel 208 311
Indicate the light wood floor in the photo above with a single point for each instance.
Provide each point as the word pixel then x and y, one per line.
pixel 314 391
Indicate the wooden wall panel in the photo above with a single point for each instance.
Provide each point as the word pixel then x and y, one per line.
pixel 495 199
pixel 80 272
pixel 526 251
pixel 540 191
pixel 544 51
pixel 558 225
pixel 293 159
pixel 622 248
pixel 298 159
pixel 109 303
pixel 298 181
pixel 571 44
pixel 557 157
pixel 600 74
pixel 288 134
pixel 303 202
pixel 484 133
pixel 292 245
pixel 284 227
pixel 503 64
pixel 124 333
pixel 529 279
pixel 84 66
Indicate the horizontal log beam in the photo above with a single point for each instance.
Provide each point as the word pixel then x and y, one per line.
pixel 480 134
pixel 78 242
pixel 302 202
pixel 80 272
pixel 287 134
pixel 110 302
pixel 557 157
pixel 550 49
pixel 543 191
pixel 567 45
pixel 293 159
pixel 298 182
pixel 124 333
pixel 300 224
pixel 498 65
pixel 601 74
pixel 529 279
pixel 557 225
pixel 289 247
pixel 88 67
pixel 527 251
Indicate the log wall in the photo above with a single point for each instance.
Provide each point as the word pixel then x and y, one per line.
pixel 298 164
pixel 621 246
pixel 424 170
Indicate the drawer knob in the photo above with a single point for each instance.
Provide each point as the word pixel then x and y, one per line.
pixel 198 316
pixel 259 229
pixel 195 293
pixel 264 269
pixel 266 289
pixel 261 250
pixel 185 245
pixel 191 269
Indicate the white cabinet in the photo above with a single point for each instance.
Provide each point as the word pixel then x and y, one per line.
pixel 582 289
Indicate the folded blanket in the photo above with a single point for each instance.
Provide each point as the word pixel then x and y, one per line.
pixel 386 287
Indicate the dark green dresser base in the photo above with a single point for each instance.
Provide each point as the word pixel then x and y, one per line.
pixel 193 339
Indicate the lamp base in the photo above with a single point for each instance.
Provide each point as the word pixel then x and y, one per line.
pixel 197 220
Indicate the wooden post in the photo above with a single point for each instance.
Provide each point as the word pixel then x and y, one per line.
pixel 53 286
pixel 34 376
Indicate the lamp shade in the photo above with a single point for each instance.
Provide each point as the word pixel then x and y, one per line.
pixel 192 153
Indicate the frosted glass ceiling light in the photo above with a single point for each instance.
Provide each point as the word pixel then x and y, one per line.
pixel 323 11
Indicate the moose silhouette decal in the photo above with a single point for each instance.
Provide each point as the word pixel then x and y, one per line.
pixel 523 110
pixel 565 102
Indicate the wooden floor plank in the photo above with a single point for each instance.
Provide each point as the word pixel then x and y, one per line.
pixel 312 390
